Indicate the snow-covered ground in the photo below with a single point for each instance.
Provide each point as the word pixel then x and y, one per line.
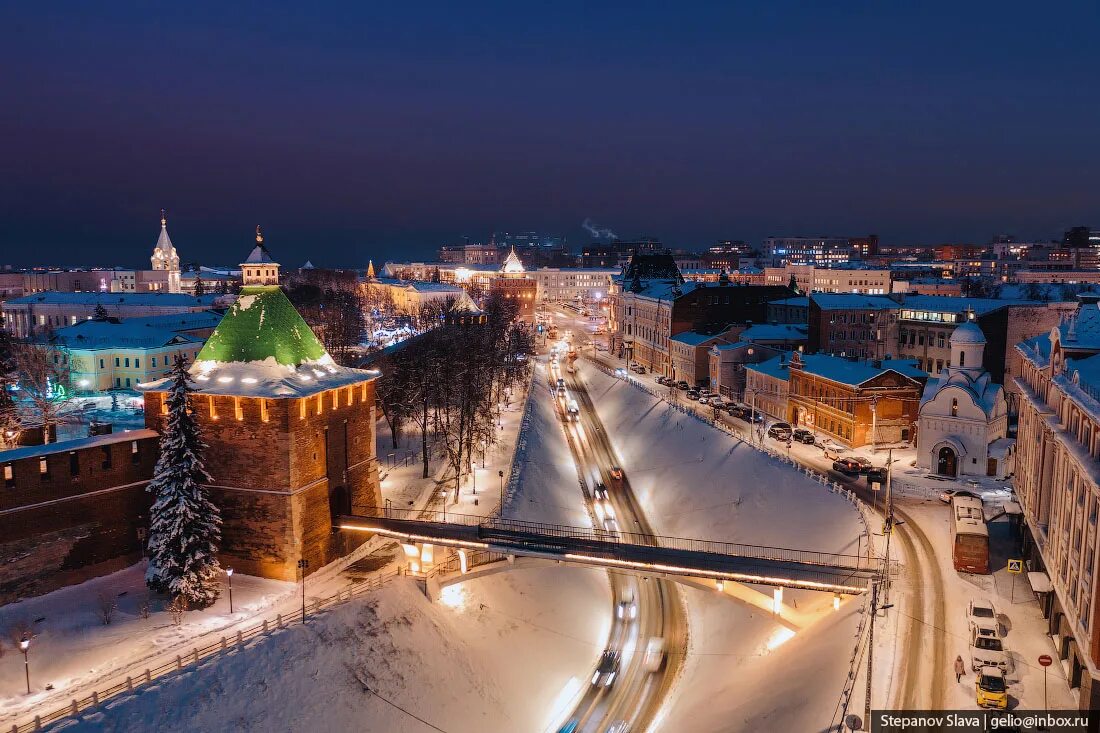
pixel 497 655
pixel 72 647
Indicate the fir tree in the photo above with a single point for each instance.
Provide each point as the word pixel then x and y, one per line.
pixel 100 313
pixel 185 526
pixel 200 287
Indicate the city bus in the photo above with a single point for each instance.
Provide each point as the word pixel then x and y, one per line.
pixel 969 535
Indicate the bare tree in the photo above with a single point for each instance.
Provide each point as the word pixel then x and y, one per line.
pixel 177 607
pixel 107 606
pixel 40 372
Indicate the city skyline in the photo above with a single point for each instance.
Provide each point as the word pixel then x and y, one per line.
pixel 392 132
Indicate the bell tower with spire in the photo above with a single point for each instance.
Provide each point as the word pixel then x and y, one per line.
pixel 260 268
pixel 164 257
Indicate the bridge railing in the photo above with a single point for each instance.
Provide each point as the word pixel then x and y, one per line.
pixel 489 524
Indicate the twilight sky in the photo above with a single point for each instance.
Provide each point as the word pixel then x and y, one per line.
pixel 352 130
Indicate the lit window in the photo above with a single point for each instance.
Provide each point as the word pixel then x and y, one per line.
pixel 301 409
pixel 213 408
pixel 43 466
pixel 237 411
pixel 263 410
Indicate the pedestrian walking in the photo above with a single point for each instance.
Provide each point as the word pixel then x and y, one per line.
pixel 960 668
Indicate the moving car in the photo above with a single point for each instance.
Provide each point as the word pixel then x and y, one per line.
pixel 865 464
pixel 802 435
pixel 990 688
pixel 780 431
pixel 982 615
pixel 573 411
pixel 654 656
pixel 606 670
pixel 950 494
pixel 616 473
pixel 986 650
pixel 627 607
pixel 600 492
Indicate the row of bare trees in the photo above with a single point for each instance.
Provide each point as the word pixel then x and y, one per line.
pixel 452 382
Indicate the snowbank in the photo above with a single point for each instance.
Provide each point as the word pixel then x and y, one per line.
pixel 696 481
pixel 453 665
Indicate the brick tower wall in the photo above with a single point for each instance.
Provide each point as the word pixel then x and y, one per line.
pixel 279 481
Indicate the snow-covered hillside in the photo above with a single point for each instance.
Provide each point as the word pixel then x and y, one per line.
pixel 494 656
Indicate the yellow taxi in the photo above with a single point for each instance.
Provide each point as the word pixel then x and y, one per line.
pixel 991 689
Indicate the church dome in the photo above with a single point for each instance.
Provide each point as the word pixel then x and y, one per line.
pixel 968 333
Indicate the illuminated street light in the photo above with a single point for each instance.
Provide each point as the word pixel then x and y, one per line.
pixel 24 645
pixel 229 574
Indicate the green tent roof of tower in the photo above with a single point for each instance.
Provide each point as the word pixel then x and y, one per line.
pixel 262 324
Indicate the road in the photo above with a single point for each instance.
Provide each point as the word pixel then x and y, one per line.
pixel 925 621
pixel 644 608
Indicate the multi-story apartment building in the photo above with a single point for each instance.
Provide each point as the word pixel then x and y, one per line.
pixel 1058 487
pixel 861 326
pixel 569 284
pixel 821 251
pixel 838 279
pixel 651 303
pixel 35 314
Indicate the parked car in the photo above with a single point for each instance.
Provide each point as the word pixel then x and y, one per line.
pixel 865 464
pixel 847 466
pixel 982 615
pixel 948 495
pixel 780 431
pixel 876 473
pixel 606 670
pixel 638 369
pixel 802 435
pixel 990 688
pixel 987 650
pixel 693 394
pixel 682 385
pixel 833 450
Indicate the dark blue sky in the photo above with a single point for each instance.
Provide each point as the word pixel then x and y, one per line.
pixel 358 130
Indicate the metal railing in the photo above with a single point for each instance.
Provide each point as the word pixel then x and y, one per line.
pixel 139 678
pixel 488 525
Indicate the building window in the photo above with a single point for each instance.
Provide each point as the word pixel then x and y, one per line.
pixel 135 453
pixel 213 408
pixel 302 409
pixel 117 362
pixel 127 361
pixel 954 408
pixel 101 365
pixel 335 398
pixel 74 463
pixel 237 411
pixel 320 402
pixel 263 410
pixel 137 363
pixel 9 476
pixel 106 457
pixel 44 468
pixel 154 362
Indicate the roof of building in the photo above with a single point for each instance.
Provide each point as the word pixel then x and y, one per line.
pixel 428 287
pixel 191 321
pixel 853 301
pixel 775 332
pixel 959 304
pixel 96 335
pixel 968 333
pixel 799 301
pixel 53 297
pixel 778 367
pixel 164 242
pixel 856 372
pixel 512 264
pixel 663 289
pixel 693 338
pixel 33 451
pixel 264 348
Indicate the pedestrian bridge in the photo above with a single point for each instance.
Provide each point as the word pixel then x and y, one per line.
pixel 493 540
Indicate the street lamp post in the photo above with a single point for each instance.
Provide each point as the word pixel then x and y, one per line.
pixel 229 575
pixel 24 645
pixel 500 474
pixel 303 565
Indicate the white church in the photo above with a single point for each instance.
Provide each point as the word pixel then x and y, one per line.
pixel 962 428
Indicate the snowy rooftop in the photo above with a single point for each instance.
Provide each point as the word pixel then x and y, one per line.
pixel 178 321
pixel 777 367
pixel 775 332
pixel 137 299
pixel 801 301
pixel 663 289
pixel 853 301
pixel 110 335
pixel 31 451
pixel 844 371
pixel 958 304
pixel 259 256
pixel 693 338
pixel 427 287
